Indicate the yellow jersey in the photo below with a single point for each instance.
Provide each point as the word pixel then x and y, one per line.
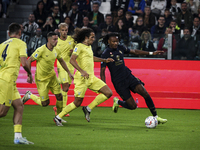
pixel 10 53
pixel 85 57
pixel 65 47
pixel 45 62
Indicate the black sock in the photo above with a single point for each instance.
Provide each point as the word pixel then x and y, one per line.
pixel 124 104
pixel 150 105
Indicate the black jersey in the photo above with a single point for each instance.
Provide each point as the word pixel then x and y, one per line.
pixel 118 70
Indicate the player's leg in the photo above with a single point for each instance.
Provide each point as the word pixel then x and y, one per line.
pixel 65 81
pixel 97 86
pixel 65 89
pixel 70 107
pixel 79 93
pixel 56 90
pixel 17 120
pixel 43 89
pixel 6 94
pixel 3 110
pixel 127 101
pixel 142 91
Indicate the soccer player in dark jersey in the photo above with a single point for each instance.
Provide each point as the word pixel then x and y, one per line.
pixel 122 78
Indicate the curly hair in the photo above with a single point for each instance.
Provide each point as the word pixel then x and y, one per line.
pixel 79 36
pixel 107 36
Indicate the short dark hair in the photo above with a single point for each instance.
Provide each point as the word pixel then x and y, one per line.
pixel 50 34
pixel 14 28
pixel 107 15
pixel 187 28
pixel 112 34
pixel 80 35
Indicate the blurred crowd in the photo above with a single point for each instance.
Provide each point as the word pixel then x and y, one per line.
pixel 147 25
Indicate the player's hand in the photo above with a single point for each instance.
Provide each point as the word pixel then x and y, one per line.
pixel 84 74
pixel 71 76
pixel 30 79
pixel 158 52
pixel 109 60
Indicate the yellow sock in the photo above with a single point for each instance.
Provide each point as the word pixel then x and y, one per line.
pixel 18 128
pixel 36 99
pixel 59 106
pixel 67 109
pixel 64 99
pixel 98 100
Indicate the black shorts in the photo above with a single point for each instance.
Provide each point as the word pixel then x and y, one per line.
pixel 123 88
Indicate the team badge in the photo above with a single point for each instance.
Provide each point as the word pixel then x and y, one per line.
pixel 118 57
pixel 36 55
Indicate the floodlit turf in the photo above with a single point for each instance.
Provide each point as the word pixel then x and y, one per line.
pixel 106 131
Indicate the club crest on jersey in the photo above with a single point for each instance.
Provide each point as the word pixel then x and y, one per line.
pixel 118 57
pixel 75 50
pixel 36 55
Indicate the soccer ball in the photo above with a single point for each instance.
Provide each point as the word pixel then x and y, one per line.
pixel 151 122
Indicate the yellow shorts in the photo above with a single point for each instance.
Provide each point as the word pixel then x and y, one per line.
pixel 63 76
pixel 43 87
pixel 8 93
pixel 81 85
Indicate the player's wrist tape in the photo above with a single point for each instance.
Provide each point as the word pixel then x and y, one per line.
pixel 150 53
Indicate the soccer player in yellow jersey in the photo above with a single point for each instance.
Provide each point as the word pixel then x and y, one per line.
pixel 12 53
pixel 45 76
pixel 83 60
pixel 66 45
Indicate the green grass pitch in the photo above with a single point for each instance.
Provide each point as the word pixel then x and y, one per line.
pixel 107 130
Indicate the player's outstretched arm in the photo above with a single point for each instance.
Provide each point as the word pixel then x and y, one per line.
pixel 77 67
pixel 64 65
pixel 97 59
pixel 102 74
pixel 26 67
pixel 140 52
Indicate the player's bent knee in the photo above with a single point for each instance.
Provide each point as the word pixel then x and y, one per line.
pixel 133 107
pixel 3 114
pixel 45 103
pixel 108 94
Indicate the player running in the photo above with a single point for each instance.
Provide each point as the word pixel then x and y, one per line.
pixel 121 76
pixel 83 60
pixel 66 45
pixel 45 76
pixel 12 52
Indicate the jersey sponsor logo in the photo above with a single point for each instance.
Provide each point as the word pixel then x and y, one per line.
pixel 36 55
pixel 75 50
